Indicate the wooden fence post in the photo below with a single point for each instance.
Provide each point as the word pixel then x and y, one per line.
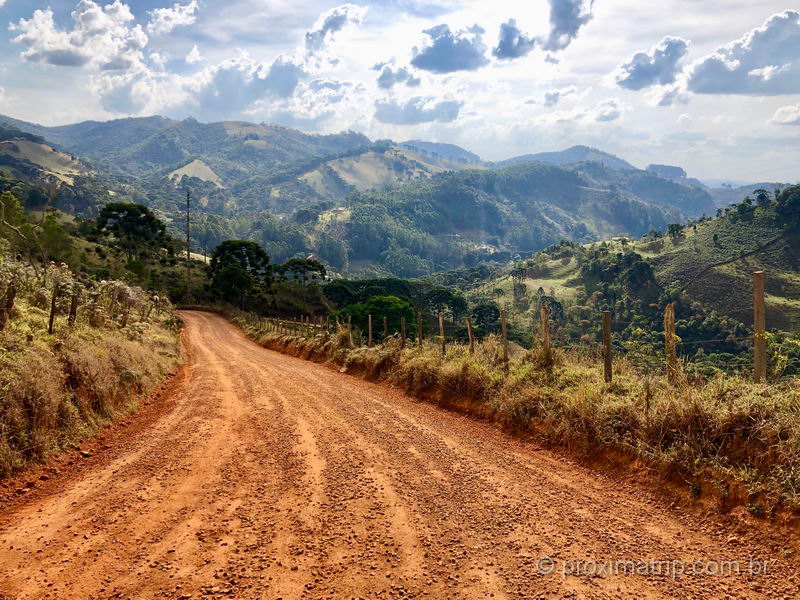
pixel 441 332
pixel 504 333
pixel 607 372
pixel 385 328
pixel 73 308
pixel 471 336
pixel 759 327
pixel 7 304
pixel 350 330
pixel 56 292
pixel 669 343
pixel 369 331
pixel 544 320
pixel 402 332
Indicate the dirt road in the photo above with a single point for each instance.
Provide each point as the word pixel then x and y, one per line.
pixel 265 476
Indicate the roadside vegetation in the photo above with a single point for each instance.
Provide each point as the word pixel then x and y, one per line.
pixel 76 352
pixel 723 436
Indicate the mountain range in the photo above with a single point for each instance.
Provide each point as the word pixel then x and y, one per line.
pixel 436 206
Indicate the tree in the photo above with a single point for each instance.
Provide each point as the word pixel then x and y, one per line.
pixel 789 203
pixel 441 298
pixel 240 273
pixel 304 269
pixel 675 231
pixel 438 298
pixel 134 229
pixel 762 197
pixel 485 315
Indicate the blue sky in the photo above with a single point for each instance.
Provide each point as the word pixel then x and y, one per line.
pixel 713 86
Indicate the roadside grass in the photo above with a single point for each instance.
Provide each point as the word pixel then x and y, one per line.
pixel 56 390
pixel 727 435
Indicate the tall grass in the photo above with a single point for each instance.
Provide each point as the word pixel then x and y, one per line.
pixel 725 430
pixel 56 389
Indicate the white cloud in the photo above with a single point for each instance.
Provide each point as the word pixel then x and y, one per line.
pixel 194 56
pixel 607 110
pixel 659 66
pixel 604 111
pixel 164 20
pixel 566 19
pixel 331 22
pixel 787 115
pixel 417 110
pixel 449 51
pixel 235 84
pixel 159 59
pixel 765 61
pixel 105 38
pixel 553 97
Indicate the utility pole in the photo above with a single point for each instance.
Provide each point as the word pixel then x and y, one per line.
pixel 188 251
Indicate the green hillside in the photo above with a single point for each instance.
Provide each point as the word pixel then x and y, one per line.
pixel 368 208
pixel 706 267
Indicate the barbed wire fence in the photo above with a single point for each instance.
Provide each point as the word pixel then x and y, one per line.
pixel 666 349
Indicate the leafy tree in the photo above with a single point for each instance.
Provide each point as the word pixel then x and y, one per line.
pixel 440 298
pixel 485 315
pixel 762 197
pixel 304 269
pixel 134 229
pixel 240 273
pixel 789 203
pixel 675 231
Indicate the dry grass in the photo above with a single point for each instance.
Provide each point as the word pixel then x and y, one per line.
pixel 56 390
pixel 727 429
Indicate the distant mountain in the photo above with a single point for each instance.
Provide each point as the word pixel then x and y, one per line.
pixel 458 218
pixel 148 145
pixel 449 152
pixel 356 204
pixel 667 171
pixel 675 174
pixel 573 155
pixel 724 196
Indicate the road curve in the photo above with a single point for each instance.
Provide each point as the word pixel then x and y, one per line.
pixel 266 476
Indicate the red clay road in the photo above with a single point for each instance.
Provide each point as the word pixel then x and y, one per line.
pixel 266 476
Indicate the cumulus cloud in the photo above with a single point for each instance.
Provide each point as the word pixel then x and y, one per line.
pixel 164 20
pixel 607 110
pixel 234 84
pixel 448 51
pixel 566 19
pixel 765 61
pixel 159 59
pixel 105 38
pixel 513 43
pixel 658 67
pixel 553 97
pixel 673 95
pixel 787 115
pixel 388 78
pixel 417 110
pixel 194 56
pixel 330 22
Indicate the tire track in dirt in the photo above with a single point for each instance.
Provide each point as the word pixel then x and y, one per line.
pixel 272 477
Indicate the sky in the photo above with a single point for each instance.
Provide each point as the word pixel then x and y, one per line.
pixel 712 85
